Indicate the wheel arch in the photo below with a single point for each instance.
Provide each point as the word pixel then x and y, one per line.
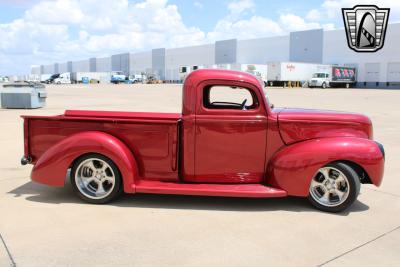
pixel 293 167
pixel 51 168
pixel 361 172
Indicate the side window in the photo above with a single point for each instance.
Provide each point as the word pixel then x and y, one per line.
pixel 226 97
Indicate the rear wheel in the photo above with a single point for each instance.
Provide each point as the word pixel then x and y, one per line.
pixel 334 188
pixel 96 179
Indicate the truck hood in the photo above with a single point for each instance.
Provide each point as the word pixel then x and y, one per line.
pixel 302 124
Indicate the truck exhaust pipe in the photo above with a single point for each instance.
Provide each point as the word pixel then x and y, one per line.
pixel 26 160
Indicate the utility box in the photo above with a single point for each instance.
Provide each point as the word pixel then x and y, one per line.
pixel 23 95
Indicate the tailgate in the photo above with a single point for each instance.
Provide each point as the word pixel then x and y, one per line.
pixel 31 151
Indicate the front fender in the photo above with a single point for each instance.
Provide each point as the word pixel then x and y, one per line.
pixel 52 166
pixel 293 167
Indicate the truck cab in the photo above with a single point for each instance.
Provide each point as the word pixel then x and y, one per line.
pixel 320 79
pixel 118 77
pixel 228 141
pixel 63 78
pixel 52 78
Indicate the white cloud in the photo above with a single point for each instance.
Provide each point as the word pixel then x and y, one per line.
pixel 240 6
pixel 198 4
pixel 313 15
pixel 254 27
pixel 235 26
pixel 292 22
pixel 55 12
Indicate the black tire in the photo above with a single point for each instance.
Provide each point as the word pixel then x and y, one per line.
pixel 354 185
pixel 115 192
pixel 323 85
pixel 347 85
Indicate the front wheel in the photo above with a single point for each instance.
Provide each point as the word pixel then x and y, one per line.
pixel 323 85
pixel 96 179
pixel 334 187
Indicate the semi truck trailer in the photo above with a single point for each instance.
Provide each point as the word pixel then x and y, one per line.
pixel 77 77
pixel 289 73
pixel 334 77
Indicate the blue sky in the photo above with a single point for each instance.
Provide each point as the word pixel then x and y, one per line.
pixel 44 32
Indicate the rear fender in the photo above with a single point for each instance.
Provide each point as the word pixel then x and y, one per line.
pixel 52 166
pixel 293 167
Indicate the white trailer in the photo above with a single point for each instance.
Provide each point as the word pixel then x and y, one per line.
pixel 291 73
pixel 33 78
pixel 335 76
pixel 96 77
pixel 45 77
pixel 259 70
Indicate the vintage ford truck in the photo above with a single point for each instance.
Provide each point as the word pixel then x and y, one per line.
pixel 228 141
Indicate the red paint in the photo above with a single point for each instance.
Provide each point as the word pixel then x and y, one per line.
pixel 291 168
pixel 52 165
pixel 290 67
pixel 302 124
pixel 261 152
pixel 226 190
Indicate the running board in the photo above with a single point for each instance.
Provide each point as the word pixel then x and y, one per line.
pixel 223 190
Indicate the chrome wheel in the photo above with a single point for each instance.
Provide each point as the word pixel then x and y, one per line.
pixel 95 178
pixel 329 187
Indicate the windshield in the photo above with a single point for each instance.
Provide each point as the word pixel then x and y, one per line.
pixel 319 75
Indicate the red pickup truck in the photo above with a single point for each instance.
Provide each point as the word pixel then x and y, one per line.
pixel 228 141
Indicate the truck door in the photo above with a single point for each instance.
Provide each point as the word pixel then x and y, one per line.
pixel 230 134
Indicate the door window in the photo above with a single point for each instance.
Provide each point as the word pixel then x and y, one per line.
pixel 229 97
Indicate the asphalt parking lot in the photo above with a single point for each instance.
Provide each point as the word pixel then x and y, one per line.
pixel 45 226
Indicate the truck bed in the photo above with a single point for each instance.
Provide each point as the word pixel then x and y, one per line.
pixel 152 137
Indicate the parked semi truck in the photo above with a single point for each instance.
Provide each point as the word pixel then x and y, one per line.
pixel 334 77
pixel 52 78
pixel 136 78
pixel 4 79
pixel 228 141
pixel 290 73
pixel 118 77
pixel 64 78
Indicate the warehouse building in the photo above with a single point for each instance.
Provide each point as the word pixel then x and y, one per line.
pixel 379 69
